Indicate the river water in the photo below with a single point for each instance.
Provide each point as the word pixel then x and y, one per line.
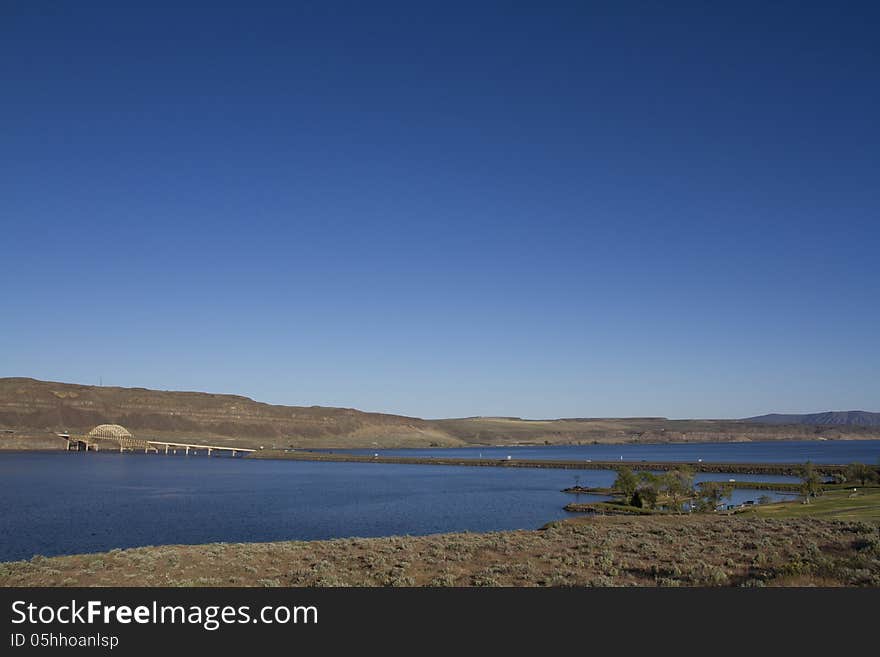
pixel 795 451
pixel 71 502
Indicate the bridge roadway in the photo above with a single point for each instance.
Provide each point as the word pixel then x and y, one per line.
pixel 87 443
pixel 156 444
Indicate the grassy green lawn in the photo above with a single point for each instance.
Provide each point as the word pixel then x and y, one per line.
pixel 865 505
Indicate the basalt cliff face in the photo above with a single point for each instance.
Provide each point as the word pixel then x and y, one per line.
pixel 32 411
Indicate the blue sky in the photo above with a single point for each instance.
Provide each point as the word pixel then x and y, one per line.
pixel 446 209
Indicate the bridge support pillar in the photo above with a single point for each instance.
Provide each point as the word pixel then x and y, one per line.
pixel 209 451
pixel 187 450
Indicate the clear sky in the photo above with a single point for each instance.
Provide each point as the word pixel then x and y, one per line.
pixel 446 209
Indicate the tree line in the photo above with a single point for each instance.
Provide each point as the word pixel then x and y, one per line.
pixel 672 490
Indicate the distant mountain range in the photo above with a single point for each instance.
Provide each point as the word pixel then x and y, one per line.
pixel 829 418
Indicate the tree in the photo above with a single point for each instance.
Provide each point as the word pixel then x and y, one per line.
pixel 648 492
pixel 711 494
pixel 679 485
pixel 645 497
pixel 811 484
pixel 860 472
pixel 626 484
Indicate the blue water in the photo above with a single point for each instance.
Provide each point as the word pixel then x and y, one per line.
pixel 799 451
pixel 62 503
pixel 71 502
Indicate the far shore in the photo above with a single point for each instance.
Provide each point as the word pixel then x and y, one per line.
pixel 791 469
pixel 31 411
pixel 49 442
pixel 509 461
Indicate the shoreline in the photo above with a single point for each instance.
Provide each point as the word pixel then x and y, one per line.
pixel 30 442
pixel 689 550
pixel 790 469
pixel 754 547
pixel 699 466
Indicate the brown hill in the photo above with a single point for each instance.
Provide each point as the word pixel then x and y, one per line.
pixel 34 410
pixel 828 418
pixel 37 409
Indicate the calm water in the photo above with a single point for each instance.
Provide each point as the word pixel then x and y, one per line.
pixel 62 503
pixel 817 451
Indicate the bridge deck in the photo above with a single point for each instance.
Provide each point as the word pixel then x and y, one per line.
pixel 163 443
pixel 123 443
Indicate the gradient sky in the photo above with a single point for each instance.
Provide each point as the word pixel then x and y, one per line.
pixel 446 209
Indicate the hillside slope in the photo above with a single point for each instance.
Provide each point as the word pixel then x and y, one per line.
pixel 33 410
pixel 37 408
pixel 828 419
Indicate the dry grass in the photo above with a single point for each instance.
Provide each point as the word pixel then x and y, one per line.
pixel 594 551
pixel 863 503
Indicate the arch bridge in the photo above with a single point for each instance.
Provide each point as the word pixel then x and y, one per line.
pixel 116 437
